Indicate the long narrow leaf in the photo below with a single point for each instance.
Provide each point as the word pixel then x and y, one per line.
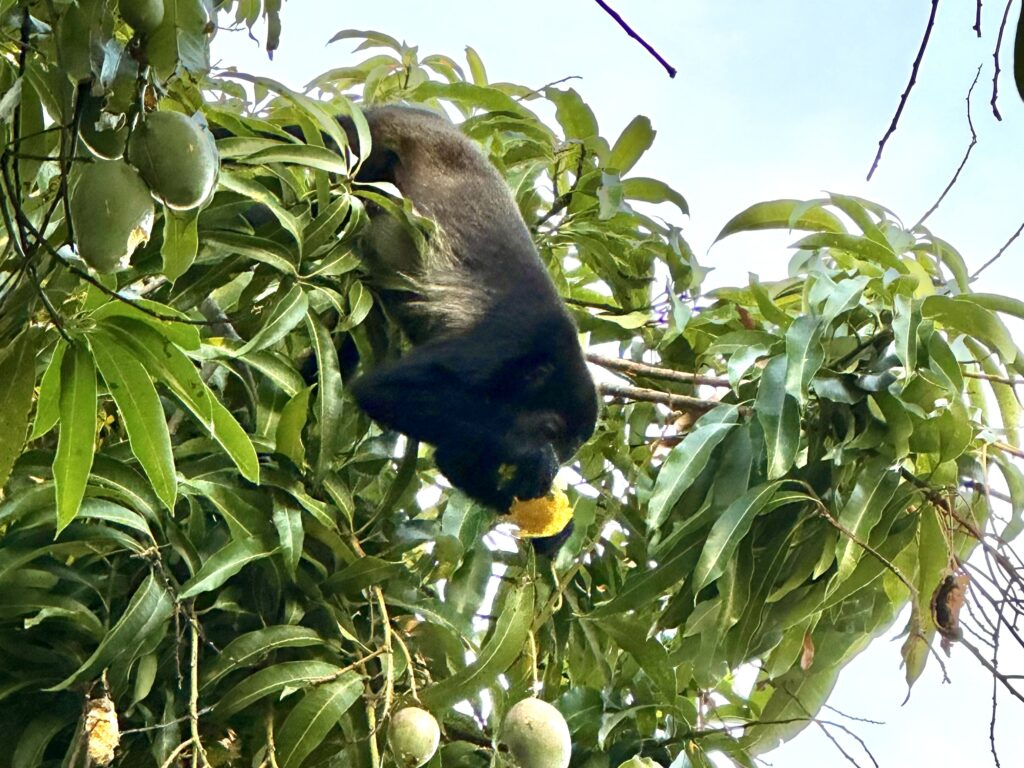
pixel 309 722
pixel 139 405
pixel 77 438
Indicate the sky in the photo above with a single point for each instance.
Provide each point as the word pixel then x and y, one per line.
pixel 780 99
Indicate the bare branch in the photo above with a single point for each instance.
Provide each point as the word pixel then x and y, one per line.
pixel 629 31
pixel 633 368
pixel 999 253
pixel 995 57
pixel 906 93
pixel 967 154
pixel 676 402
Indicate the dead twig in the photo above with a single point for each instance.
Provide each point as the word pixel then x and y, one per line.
pixel 906 94
pixel 629 31
pixel 633 368
pixel 675 402
pixel 963 162
pixel 995 57
pixel 999 253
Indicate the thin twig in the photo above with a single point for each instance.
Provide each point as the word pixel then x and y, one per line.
pixel 675 402
pixel 1007 448
pixel 999 253
pixel 18 240
pixel 974 485
pixel 1003 679
pixel 977 18
pixel 963 162
pixel 634 368
pixel 174 753
pixel 552 84
pixel 890 566
pixel 629 31
pixel 995 57
pixel 198 751
pixel 993 378
pixel 906 94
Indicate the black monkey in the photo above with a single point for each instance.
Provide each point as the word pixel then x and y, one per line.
pixel 496 379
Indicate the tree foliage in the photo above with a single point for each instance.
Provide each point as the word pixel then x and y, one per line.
pixel 251 572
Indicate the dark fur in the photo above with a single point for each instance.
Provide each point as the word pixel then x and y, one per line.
pixel 496 379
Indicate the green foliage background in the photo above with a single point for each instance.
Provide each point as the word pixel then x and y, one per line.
pixel 250 569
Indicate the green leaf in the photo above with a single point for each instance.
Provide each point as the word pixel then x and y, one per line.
pixel 182 41
pixel 642 584
pixel 377 38
pixel 905 322
pixel 971 318
pixel 300 154
pixel 804 355
pixel 175 371
pixel 649 653
pixel 150 606
pixel 225 563
pixel 686 461
pixel 35 738
pixel 143 415
pixel 360 302
pixel 280 677
pixel 288 436
pixel 609 196
pixel 875 487
pixel 259 249
pixel 324 228
pixel 476 67
pixel 863 247
pixel 779 415
pixel 728 531
pixel 653 191
pixel 17 377
pixel 108 511
pixel 899 428
pixel 1004 394
pixel 236 182
pixel 288 522
pixel 365 572
pixel 181 242
pixel 779 214
pixel 949 256
pixel 468 95
pixel 309 722
pixel 185 335
pixel 76 442
pixel 506 643
pixel 251 648
pixel 48 401
pixel 635 139
pixel 328 393
pixel 572 113
pixel 307 106
pixel 285 313
pixel 992 301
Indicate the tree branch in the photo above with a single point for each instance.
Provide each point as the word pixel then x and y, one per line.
pixel 633 368
pixel 967 154
pixel 629 31
pixel 906 93
pixel 995 57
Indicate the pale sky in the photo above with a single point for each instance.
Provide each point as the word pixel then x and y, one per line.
pixel 780 99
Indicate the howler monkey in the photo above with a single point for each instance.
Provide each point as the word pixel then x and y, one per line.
pixel 496 379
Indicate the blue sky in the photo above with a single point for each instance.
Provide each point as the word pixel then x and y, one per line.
pixel 780 99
